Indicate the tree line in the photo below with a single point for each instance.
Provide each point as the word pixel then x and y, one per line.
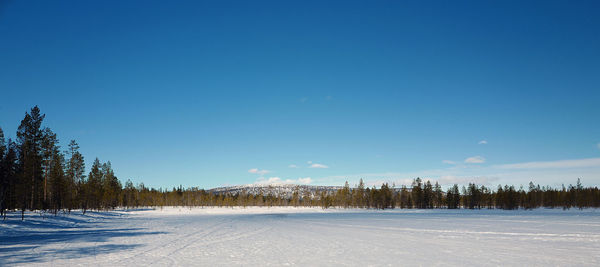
pixel 35 174
pixel 425 195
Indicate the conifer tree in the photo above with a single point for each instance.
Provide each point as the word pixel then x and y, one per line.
pixel 58 185
pixel 453 197
pixel 417 193
pixel 359 194
pixel 4 184
pixel 437 195
pixel 74 175
pixel 49 149
pixel 94 186
pixel 29 139
pixel 428 195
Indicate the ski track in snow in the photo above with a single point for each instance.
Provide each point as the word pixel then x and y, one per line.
pixel 282 236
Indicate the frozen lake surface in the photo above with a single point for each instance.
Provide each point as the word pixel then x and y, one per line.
pixel 303 236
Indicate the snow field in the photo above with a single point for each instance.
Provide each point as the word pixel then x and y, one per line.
pixel 281 236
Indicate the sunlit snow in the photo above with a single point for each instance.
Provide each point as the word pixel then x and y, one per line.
pixel 302 236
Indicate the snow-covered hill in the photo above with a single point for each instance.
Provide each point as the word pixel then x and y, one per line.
pixel 280 190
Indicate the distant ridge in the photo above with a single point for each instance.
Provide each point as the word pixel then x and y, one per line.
pixel 281 190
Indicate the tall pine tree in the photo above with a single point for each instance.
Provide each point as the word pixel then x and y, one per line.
pixel 30 136
pixel 74 175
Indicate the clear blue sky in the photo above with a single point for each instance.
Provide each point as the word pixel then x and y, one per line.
pixel 211 93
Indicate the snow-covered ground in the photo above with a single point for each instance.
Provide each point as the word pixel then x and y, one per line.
pixel 303 236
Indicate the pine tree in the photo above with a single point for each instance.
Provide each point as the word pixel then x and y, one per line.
pixel 405 199
pixel 74 175
pixel 453 197
pixel 56 177
pixel 359 194
pixel 346 196
pixel 385 196
pixel 579 197
pixel 11 171
pixel 3 147
pixel 111 187
pixel 4 184
pixel 437 195
pixel 93 187
pixel 428 195
pixel 417 193
pixel 49 149
pixel 29 138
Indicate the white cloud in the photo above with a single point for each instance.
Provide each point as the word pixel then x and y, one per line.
pixel 318 166
pixel 551 173
pixel 292 166
pixel 303 99
pixel 448 162
pixel 257 171
pixel 475 159
pixel 309 162
pixel 598 145
pixel 271 180
pixel 558 164
pixel 306 180
pixel 482 142
pixel 277 180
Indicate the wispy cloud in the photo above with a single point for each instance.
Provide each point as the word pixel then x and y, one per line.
pixel 553 173
pixel 303 99
pixel 318 166
pixel 448 162
pixel 445 177
pixel 278 180
pixel 598 145
pixel 475 160
pixel 257 171
pixel 483 142
pixel 293 166
pixel 557 164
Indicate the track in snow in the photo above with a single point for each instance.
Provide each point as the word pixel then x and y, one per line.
pixel 290 236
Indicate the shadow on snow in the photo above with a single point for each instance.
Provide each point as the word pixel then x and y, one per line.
pixel 36 240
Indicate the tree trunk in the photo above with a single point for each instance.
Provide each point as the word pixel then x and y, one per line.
pixel 45 185
pixel 32 191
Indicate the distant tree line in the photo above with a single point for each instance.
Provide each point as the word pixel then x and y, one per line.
pixel 36 175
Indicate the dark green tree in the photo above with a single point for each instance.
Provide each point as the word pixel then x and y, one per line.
pixel 74 175
pixel 93 187
pixel 4 184
pixel 438 195
pixel 428 195
pixel 453 197
pixel 49 150
pixel 57 183
pixel 30 136
pixel 417 193
pixel 359 194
